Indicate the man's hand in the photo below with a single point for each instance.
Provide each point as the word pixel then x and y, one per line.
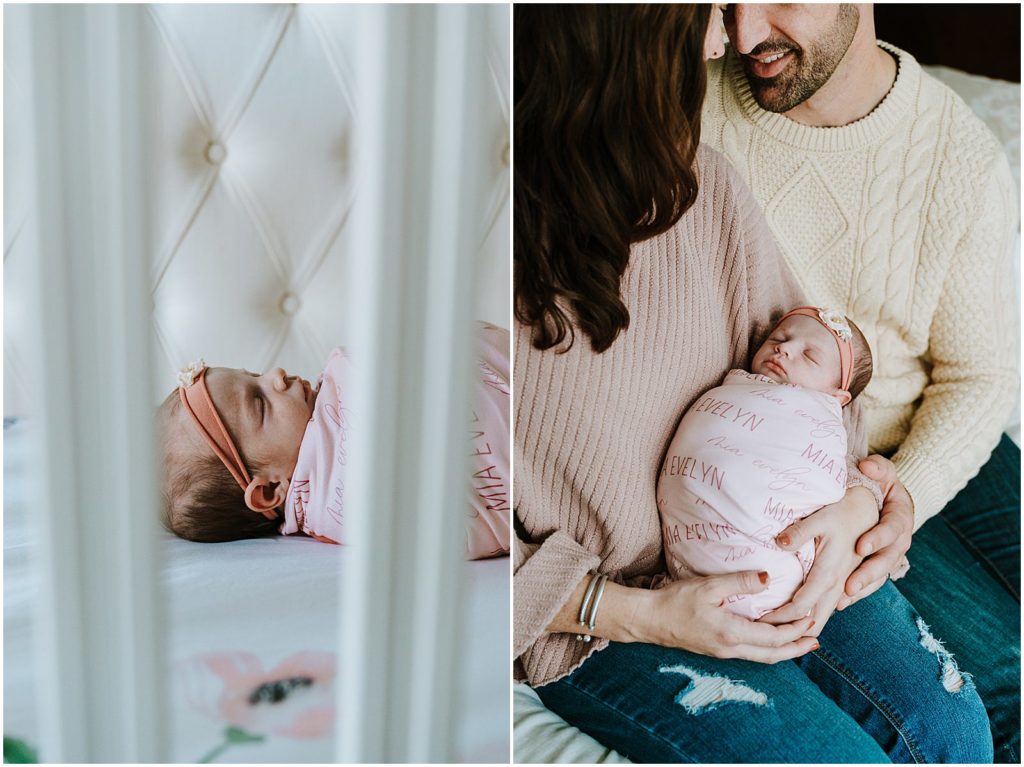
pixel 884 546
pixel 837 528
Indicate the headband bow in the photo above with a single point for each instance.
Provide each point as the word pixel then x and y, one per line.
pixel 197 401
pixel 835 322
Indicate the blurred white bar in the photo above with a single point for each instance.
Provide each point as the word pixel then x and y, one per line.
pixel 99 621
pixel 417 227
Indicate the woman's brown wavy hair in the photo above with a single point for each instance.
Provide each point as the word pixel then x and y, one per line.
pixel 606 126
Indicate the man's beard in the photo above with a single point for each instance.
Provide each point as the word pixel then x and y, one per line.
pixel 810 68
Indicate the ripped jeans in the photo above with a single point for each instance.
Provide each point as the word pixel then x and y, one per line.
pixel 880 689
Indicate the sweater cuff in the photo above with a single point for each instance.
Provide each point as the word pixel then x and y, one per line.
pixel 856 478
pixel 544 583
pixel 924 485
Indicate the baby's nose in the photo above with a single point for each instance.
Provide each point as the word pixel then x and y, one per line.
pixel 280 379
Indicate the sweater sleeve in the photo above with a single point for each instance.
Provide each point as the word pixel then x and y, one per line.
pixel 974 377
pixel 545 576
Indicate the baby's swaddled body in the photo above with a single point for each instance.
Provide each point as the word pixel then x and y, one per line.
pixel 316 502
pixel 748 458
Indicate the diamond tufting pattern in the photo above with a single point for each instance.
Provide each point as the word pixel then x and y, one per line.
pixel 252 153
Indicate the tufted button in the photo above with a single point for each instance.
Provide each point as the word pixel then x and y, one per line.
pixel 290 304
pixel 215 153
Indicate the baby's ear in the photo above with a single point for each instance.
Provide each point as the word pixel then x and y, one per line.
pixel 264 496
pixel 843 397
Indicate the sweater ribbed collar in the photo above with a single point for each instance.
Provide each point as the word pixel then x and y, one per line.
pixel 877 124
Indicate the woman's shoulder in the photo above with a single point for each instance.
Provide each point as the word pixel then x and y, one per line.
pixel 721 186
pixel 726 203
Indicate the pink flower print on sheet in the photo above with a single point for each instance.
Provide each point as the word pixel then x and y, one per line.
pixel 295 699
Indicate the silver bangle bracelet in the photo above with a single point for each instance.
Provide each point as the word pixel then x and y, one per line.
pixel 597 600
pixel 583 608
pixel 587 619
pixel 586 599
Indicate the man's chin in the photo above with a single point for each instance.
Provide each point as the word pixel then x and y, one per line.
pixel 769 95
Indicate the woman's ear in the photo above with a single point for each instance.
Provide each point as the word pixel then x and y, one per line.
pixel 264 496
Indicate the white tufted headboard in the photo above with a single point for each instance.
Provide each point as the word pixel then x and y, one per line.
pixel 257 123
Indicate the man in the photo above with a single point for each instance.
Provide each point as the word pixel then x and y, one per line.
pixel 891 201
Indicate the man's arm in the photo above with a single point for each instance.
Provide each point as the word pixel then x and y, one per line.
pixel 972 343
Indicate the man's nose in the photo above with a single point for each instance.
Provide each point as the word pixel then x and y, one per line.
pixel 748 26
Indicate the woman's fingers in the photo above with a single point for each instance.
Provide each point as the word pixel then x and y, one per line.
pixel 720 587
pixel 741 631
pixel 799 533
pixel 758 654
pixel 825 606
pixel 818 582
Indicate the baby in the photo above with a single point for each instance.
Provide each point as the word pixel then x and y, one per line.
pixel 760 451
pixel 247 455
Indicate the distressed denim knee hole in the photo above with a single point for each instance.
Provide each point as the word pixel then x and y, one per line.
pixel 706 692
pixel 953 680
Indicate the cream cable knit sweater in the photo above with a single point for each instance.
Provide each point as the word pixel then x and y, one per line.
pixel 904 219
pixel 591 429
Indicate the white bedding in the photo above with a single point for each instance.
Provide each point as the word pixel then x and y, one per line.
pixel 255 604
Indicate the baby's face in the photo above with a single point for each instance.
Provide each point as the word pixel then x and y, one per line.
pixel 800 351
pixel 265 414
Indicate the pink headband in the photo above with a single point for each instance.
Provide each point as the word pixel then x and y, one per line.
pixel 835 322
pixel 197 401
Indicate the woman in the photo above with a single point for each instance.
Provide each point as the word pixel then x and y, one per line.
pixel 643 272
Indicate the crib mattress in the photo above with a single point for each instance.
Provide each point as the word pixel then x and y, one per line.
pixel 246 612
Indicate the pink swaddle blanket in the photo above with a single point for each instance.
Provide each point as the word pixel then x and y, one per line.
pixel 748 458
pixel 316 504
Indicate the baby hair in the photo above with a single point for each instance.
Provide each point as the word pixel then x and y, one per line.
pixel 201 500
pixel 862 362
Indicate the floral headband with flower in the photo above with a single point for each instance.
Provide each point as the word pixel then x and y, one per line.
pixel 199 405
pixel 836 323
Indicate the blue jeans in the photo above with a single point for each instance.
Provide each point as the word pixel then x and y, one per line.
pixel 964 579
pixel 872 693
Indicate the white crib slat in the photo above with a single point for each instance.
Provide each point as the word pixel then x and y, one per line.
pixel 101 691
pixel 417 226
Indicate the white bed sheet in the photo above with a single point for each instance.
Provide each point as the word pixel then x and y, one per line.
pixel 271 599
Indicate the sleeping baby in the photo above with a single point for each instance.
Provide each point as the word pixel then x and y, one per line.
pixel 247 455
pixel 760 451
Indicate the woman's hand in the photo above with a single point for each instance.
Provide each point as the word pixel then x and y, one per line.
pixel 885 545
pixel 837 528
pixel 689 614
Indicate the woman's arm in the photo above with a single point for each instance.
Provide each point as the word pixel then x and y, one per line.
pixel 545 578
pixel 685 614
pixel 689 614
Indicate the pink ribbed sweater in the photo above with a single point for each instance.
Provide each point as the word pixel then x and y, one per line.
pixel 591 429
